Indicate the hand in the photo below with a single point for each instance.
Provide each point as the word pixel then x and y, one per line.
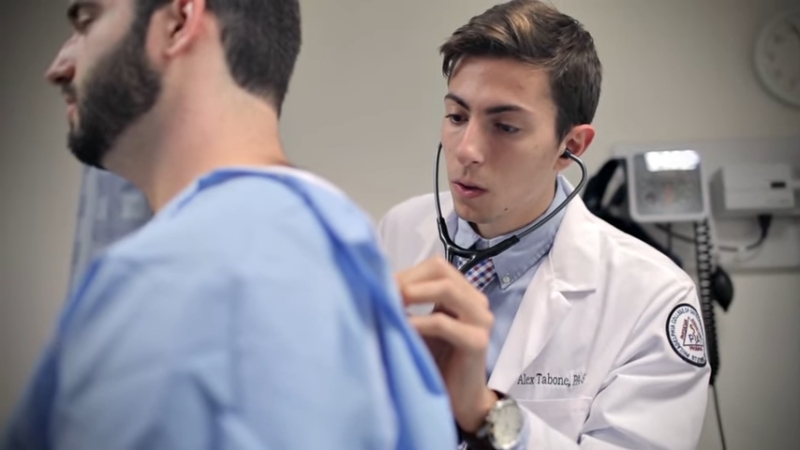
pixel 457 334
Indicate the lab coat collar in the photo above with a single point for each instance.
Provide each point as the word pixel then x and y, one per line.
pixel 429 232
pixel 576 243
pixel 568 274
pixel 575 250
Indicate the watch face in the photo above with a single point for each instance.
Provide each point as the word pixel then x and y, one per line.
pixel 506 422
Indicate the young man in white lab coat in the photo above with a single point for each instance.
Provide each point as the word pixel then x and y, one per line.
pixel 579 336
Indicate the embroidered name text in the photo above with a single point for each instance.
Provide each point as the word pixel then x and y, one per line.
pixel 550 380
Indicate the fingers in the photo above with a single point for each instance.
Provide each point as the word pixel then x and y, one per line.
pixel 436 281
pixel 431 269
pixel 460 334
pixel 460 300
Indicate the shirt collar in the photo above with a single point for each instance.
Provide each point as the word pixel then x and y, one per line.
pixel 220 174
pixel 514 262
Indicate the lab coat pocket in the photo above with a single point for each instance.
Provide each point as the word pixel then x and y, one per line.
pixel 566 415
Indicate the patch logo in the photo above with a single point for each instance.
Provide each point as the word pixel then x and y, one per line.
pixel 686 336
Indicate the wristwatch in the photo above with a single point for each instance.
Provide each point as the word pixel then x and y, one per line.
pixel 500 430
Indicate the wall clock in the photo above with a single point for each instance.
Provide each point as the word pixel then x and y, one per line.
pixel 777 57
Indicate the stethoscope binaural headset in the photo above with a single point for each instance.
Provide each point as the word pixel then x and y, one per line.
pixel 475 257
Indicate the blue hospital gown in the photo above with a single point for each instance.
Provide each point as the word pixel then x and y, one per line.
pixel 254 312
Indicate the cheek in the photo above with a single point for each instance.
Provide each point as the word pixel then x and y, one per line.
pixel 522 172
pixel 449 163
pixel 523 159
pixel 450 140
pixel 85 73
pixel 105 35
pixel 450 134
pixel 92 52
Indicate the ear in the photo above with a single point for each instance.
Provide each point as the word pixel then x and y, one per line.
pixel 183 24
pixel 576 141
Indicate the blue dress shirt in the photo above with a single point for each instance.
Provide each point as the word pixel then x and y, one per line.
pixel 514 270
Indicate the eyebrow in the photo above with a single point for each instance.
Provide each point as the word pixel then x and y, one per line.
pixel 491 110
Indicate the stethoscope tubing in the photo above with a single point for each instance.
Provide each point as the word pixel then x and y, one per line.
pixel 475 257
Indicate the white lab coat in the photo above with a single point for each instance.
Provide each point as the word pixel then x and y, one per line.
pixel 588 355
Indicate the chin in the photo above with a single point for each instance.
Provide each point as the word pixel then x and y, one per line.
pixel 470 214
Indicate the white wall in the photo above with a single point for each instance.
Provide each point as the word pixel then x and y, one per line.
pixel 38 189
pixel 365 109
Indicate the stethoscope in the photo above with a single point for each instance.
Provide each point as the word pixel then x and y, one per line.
pixel 474 257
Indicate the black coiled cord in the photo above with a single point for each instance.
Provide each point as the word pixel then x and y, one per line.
pixel 705 271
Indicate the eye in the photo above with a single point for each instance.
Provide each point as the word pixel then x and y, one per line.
pixel 508 129
pixel 456 119
pixel 82 15
pixel 83 20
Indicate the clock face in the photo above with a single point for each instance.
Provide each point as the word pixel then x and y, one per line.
pixel 778 57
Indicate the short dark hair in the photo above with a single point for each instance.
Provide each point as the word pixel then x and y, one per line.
pixel 536 33
pixel 261 39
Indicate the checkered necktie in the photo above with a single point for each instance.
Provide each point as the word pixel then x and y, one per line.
pixel 480 275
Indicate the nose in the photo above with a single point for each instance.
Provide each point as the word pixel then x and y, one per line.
pixel 62 70
pixel 469 149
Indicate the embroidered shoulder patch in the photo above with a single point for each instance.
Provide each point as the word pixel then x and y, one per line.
pixel 685 333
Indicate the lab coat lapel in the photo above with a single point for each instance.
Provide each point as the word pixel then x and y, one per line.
pixel 541 312
pixel 428 232
pixel 563 278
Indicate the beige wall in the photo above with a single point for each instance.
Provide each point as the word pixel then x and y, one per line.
pixel 364 110
pixel 38 190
